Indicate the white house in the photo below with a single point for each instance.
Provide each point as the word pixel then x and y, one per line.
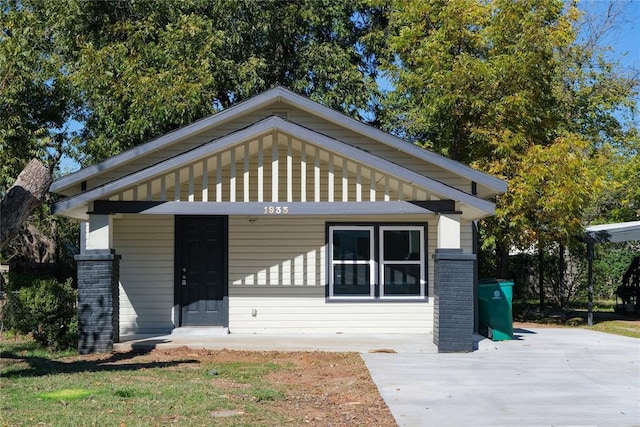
pixel 277 215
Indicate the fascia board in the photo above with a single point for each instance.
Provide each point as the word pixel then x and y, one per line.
pixel 168 139
pixel 497 185
pixel 260 128
pixel 207 149
pixel 371 160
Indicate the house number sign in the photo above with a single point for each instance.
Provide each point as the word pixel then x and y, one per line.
pixel 276 210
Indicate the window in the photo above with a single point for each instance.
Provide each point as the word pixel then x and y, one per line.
pixel 352 269
pixel 377 262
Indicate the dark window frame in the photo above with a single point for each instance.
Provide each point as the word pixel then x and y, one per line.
pixel 376 259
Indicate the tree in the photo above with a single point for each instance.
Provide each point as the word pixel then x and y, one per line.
pixel 506 87
pixel 36 99
pixel 129 71
pixel 23 197
pixel 144 68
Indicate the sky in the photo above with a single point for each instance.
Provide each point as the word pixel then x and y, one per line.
pixel 624 38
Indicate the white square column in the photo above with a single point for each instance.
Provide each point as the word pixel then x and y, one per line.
pixel 98 232
pixel 448 231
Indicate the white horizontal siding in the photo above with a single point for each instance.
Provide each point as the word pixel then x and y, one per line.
pixel 277 266
pixel 146 273
pixel 315 315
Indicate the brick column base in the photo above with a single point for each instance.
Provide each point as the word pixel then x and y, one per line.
pixel 98 300
pixel 453 302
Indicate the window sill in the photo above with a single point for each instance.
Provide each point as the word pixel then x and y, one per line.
pixel 377 300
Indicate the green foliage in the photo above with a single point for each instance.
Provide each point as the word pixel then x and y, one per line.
pixel 144 68
pixel 506 87
pixel 44 308
pixel 610 263
pixel 36 99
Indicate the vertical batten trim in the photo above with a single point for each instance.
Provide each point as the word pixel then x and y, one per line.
pixel 261 170
pixel 330 178
pixel 134 195
pixel 205 180
pixel 387 197
pixel 372 186
pixel 232 176
pixel 400 191
pixel 358 183
pixel 303 171
pixel 191 198
pixel 289 171
pixel 149 195
pixel 345 181
pixel 218 178
pixel 275 168
pixel 163 188
pixel 176 186
pixel 316 176
pixel 245 176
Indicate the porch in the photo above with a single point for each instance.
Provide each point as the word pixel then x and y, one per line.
pixel 216 339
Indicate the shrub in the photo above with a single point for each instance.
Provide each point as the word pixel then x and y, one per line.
pixel 45 308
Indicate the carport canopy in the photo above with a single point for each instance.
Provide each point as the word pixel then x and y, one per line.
pixel 616 232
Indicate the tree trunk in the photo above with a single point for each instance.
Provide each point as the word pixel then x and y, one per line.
pixel 26 194
pixel 541 275
pixel 502 262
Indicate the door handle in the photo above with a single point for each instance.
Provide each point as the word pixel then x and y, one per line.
pixel 184 277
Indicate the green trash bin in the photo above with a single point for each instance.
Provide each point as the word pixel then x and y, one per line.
pixel 495 317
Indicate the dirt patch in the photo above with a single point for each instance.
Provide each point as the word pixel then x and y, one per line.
pixel 320 388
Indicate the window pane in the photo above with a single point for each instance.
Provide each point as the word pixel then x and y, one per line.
pixel 402 279
pixel 351 279
pixel 401 245
pixel 351 245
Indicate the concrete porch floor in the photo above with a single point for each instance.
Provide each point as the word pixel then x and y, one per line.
pixel 215 340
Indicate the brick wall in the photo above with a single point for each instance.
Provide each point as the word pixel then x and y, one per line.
pixel 453 300
pixel 98 300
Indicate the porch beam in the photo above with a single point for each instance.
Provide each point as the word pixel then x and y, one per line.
pixel 284 209
pixel 117 206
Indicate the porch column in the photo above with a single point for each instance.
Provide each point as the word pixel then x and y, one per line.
pixel 453 283
pixel 98 288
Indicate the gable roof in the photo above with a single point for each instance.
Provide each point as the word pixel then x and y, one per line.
pixel 490 186
pixel 477 207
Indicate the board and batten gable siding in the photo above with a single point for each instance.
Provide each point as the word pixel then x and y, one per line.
pixel 146 244
pixel 297 116
pixel 256 171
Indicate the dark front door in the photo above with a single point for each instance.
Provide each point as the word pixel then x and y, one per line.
pixel 201 270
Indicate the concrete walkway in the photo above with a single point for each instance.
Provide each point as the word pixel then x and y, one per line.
pixel 545 377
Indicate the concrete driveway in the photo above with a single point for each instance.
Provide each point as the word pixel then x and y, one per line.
pixel 543 377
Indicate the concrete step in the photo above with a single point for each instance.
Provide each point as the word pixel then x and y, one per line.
pixel 199 331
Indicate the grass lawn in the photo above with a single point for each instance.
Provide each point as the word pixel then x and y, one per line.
pixel 186 387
